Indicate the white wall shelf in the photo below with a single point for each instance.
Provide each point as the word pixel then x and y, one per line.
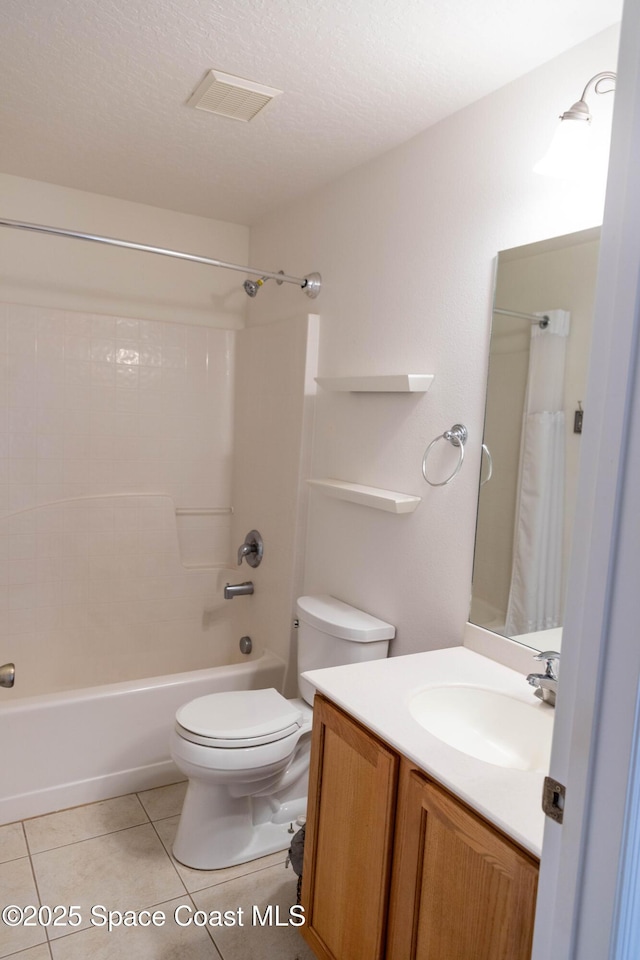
pixel 387 500
pixel 387 383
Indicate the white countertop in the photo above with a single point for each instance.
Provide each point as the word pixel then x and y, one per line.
pixel 376 694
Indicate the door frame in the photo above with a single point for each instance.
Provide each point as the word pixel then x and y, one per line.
pixel 589 864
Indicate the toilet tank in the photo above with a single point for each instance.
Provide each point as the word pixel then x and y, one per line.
pixel 332 633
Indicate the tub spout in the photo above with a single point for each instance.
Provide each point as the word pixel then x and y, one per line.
pixel 238 590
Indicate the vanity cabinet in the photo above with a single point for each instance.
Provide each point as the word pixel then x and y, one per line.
pixel 349 838
pixel 460 890
pixel 396 867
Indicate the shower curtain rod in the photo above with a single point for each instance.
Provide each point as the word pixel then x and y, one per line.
pixel 542 321
pixel 310 284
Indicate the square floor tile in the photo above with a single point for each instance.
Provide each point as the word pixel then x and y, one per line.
pixel 164 802
pixel 126 870
pixel 199 879
pixel 82 823
pixel 17 887
pixel 264 898
pixel 12 842
pixel 141 942
pixel 36 953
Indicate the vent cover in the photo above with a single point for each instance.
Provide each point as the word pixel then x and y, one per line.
pixel 230 96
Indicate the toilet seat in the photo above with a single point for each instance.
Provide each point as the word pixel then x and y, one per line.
pixel 238 718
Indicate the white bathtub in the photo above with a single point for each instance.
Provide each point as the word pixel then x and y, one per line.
pixel 60 750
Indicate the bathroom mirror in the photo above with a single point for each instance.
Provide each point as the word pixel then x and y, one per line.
pixel 535 392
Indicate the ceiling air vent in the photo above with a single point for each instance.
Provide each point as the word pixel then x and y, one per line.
pixel 231 96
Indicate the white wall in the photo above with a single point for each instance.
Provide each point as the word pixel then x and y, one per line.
pixel 275 391
pixel 406 247
pixel 73 275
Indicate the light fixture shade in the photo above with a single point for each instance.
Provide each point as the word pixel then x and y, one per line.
pixel 574 153
pixel 569 154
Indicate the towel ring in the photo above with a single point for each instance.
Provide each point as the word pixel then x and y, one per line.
pixel 457 436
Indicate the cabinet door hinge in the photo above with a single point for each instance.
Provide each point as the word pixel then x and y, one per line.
pixel 553 799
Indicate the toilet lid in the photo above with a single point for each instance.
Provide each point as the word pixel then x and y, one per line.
pixel 240 718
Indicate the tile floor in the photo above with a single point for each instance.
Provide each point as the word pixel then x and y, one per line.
pixel 117 854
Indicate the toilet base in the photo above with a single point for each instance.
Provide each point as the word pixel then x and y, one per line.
pixel 219 832
pixel 241 804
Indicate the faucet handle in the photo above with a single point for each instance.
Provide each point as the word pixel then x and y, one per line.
pixel 550 658
pixel 252 549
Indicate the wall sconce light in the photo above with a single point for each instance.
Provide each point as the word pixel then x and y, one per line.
pixel 570 153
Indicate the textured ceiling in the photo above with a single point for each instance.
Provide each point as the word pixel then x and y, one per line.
pixel 94 91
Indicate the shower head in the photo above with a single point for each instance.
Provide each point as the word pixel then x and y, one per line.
pixel 252 286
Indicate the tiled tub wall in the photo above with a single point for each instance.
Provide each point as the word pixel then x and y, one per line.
pixel 109 427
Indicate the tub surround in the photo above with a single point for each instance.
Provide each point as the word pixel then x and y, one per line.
pixel 112 430
pixel 109 583
pixel 510 799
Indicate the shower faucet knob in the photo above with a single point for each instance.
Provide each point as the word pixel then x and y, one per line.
pixel 251 550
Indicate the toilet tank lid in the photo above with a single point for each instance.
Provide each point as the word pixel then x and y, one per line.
pixel 342 620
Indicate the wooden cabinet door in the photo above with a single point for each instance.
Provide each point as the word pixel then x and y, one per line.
pixel 349 838
pixel 461 890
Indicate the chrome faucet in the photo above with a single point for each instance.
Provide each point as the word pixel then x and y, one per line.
pixel 546 683
pixel 243 550
pixel 252 549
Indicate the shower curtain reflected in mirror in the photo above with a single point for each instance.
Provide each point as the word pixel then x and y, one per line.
pixel 536 589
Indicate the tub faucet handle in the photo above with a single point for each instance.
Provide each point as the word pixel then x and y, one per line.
pixel 252 549
pixel 7 674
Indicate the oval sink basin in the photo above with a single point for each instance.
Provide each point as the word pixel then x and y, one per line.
pixel 487 725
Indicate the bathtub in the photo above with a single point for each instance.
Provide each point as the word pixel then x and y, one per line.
pixel 64 749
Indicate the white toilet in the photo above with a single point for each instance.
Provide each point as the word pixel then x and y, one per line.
pixel 246 752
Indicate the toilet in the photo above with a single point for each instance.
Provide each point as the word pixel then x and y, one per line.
pixel 246 752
